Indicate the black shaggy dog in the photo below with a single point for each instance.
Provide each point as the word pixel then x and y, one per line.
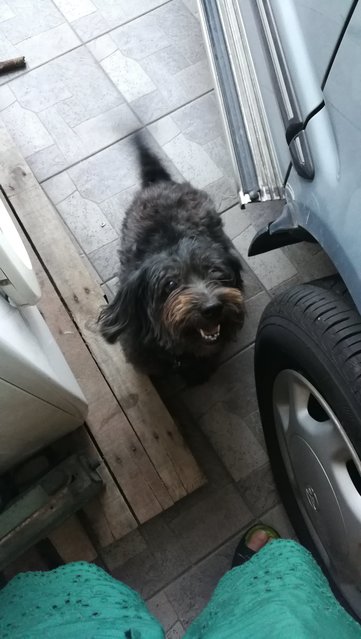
pixel 180 288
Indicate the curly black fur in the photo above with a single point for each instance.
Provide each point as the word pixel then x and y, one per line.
pixel 179 277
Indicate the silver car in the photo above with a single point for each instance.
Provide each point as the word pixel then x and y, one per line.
pixel 288 79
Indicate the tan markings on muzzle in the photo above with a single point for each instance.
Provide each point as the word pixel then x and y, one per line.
pixel 231 296
pixel 178 308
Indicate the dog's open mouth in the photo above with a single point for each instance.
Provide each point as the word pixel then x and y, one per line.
pixel 211 335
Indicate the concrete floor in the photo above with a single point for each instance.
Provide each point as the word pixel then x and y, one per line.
pixel 97 71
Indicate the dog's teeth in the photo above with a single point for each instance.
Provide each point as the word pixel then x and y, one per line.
pixel 210 337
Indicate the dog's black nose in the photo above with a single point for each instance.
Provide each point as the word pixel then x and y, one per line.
pixel 212 310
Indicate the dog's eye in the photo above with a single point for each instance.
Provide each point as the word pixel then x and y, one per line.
pixel 217 274
pixel 170 286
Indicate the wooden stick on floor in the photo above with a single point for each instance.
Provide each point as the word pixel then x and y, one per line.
pixel 13 64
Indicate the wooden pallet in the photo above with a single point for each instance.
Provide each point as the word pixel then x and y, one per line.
pixel 145 463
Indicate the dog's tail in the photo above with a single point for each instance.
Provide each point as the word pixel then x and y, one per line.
pixel 152 169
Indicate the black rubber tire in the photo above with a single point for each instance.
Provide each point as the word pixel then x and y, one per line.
pixel 317 332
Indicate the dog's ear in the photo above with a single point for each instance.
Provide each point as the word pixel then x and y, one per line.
pixel 124 310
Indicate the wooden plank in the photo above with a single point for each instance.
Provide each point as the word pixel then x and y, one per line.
pixel 106 421
pixel 72 542
pixel 35 513
pixel 148 416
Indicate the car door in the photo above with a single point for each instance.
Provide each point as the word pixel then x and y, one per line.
pixel 269 58
pixel 329 206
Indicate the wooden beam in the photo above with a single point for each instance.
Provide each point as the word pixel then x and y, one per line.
pixel 146 443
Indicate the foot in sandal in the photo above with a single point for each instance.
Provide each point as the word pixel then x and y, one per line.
pixel 253 540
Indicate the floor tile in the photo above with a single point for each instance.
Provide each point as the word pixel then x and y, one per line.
pixel 73 10
pixel 26 129
pixel 235 220
pixel 59 187
pixel 87 222
pixel 190 136
pixel 48 45
pixel 310 261
pixel 6 97
pixel 109 15
pixel 246 336
pixel 159 63
pixel 123 550
pixel 232 384
pixel 60 98
pixel 251 284
pixel 161 608
pixel 271 268
pixel 30 19
pixel 258 490
pixel 157 566
pixel 192 591
pixel 210 523
pixel 233 440
pixel 105 260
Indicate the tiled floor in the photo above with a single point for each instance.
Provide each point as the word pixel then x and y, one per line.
pixel 97 71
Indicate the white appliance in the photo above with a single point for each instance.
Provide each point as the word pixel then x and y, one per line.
pixel 40 399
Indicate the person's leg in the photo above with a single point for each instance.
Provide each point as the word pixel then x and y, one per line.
pixel 280 593
pixel 76 601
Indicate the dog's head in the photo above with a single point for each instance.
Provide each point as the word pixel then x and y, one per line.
pixel 188 298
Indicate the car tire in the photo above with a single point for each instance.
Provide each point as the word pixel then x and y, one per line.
pixel 312 333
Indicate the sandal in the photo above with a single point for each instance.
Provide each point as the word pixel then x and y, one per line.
pixel 243 552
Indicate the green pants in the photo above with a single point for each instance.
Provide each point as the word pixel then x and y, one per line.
pixel 279 594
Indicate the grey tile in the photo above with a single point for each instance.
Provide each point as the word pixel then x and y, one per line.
pixel 113 170
pixel 183 29
pixel 112 287
pixel 161 608
pixel 191 6
pixel 192 161
pixel 46 46
pixel 28 132
pixel 258 490
pixel 153 569
pixel 47 162
pixel 209 523
pixel 87 222
pixel 102 47
pixel 110 15
pixel 74 10
pixel 142 37
pixel 310 261
pixel 192 591
pixel 6 97
pixel 90 26
pixel 59 187
pixel 30 19
pixel 233 440
pixel 114 207
pixel 106 128
pixel 232 384
pixel 284 286
pixel 246 336
pixel 223 192
pixel 164 130
pixel 218 151
pixel 251 284
pixel 105 260
pixel 176 632
pixel 65 138
pixel 253 421
pixel 235 220
pixel 123 550
pixel 128 76
pixel 271 268
pixel 199 121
